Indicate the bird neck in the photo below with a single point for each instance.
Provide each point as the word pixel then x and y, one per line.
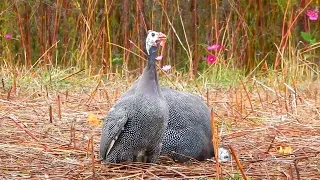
pixel 149 79
pixel 151 65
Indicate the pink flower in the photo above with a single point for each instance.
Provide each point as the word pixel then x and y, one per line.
pixel 159 58
pixel 215 47
pixel 211 59
pixel 8 36
pixel 312 14
pixel 166 67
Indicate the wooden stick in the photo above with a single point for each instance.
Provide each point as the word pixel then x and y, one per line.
pixel 271 143
pixel 215 144
pixel 92 157
pixel 73 135
pixel 245 89
pixel 9 93
pixel 238 162
pixel 70 75
pixel 93 93
pixel 2 81
pixel 291 172
pixel 297 170
pixel 16 121
pixel 59 106
pixel 50 114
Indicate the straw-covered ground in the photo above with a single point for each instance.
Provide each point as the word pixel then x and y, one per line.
pixel 39 142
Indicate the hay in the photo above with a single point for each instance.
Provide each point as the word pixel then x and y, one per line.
pixel 254 123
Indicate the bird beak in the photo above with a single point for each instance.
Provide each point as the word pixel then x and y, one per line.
pixel 162 38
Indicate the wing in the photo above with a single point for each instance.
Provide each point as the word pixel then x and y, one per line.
pixel 112 128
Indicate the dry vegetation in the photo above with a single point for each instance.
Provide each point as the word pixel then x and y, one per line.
pixel 64 60
pixel 36 143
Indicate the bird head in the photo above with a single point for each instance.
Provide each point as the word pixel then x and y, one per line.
pixel 154 39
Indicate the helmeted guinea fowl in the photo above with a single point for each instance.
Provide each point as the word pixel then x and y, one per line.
pixel 135 125
pixel 188 134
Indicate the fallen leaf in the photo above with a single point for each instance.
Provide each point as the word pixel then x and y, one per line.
pixel 94 120
pixel 280 150
pixel 285 150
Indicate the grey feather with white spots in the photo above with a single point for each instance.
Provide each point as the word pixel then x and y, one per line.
pixel 188 134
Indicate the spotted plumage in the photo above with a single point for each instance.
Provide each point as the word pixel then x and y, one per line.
pixel 134 127
pixel 188 134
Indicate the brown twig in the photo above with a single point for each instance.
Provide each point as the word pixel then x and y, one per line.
pixel 70 75
pixel 215 144
pixel 59 106
pixel 16 121
pixel 73 135
pixel 297 170
pixel 9 93
pixel 238 162
pixel 245 89
pixel 271 143
pixel 50 114
pixel 92 156
pixel 2 82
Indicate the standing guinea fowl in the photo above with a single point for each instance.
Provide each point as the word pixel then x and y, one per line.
pixel 135 125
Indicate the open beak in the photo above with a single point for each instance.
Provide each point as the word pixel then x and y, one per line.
pixel 162 38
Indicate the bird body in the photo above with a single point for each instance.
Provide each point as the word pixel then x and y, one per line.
pixel 135 125
pixel 188 134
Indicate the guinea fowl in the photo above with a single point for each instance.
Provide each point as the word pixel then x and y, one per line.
pixel 135 125
pixel 188 134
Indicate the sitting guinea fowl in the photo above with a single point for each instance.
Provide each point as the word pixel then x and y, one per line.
pixel 188 134
pixel 135 125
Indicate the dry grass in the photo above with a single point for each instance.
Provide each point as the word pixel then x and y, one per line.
pixel 253 120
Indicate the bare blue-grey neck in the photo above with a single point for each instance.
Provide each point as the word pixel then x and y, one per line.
pixel 152 57
pixel 148 83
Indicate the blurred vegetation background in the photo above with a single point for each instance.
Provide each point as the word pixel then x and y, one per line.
pixel 106 35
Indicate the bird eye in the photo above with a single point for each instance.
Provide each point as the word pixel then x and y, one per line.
pixel 152 34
